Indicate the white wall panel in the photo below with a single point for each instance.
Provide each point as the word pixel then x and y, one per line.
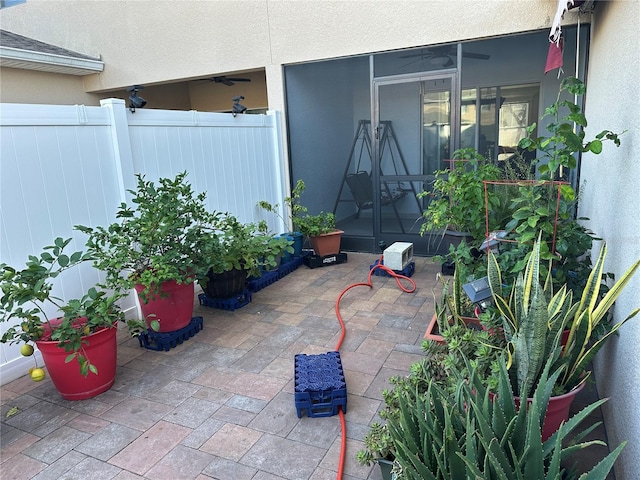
pixel 229 158
pixel 58 168
pixel 51 178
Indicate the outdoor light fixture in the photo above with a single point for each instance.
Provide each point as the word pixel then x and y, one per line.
pixel 237 107
pixel 478 291
pixel 134 100
pixel 493 241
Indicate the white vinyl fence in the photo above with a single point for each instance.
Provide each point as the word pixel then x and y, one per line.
pixel 62 166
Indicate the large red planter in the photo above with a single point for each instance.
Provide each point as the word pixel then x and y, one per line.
pixel 557 411
pixel 172 307
pixel 100 350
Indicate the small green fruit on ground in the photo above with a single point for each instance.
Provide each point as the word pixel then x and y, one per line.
pixel 26 350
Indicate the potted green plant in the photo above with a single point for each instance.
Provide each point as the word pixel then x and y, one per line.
pixel 236 251
pixel 534 319
pixel 547 205
pixel 322 233
pixel 77 337
pixel 294 210
pixel 378 448
pixel 444 424
pixel 457 199
pixel 453 308
pixel 155 247
pixel 459 433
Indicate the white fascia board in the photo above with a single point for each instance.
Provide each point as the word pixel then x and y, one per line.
pixel 48 62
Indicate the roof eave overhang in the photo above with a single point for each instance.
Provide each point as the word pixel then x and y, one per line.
pixel 48 62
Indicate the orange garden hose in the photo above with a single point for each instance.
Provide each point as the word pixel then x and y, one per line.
pixel 398 278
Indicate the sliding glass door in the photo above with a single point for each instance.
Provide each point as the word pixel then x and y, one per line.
pixel 414 130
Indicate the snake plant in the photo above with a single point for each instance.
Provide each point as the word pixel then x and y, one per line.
pixel 534 318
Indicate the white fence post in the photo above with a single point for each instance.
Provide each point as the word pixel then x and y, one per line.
pixel 121 143
pixel 279 165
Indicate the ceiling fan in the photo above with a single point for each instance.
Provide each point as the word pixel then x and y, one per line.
pixel 443 55
pixel 228 81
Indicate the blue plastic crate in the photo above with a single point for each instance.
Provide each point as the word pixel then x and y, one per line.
pixel 264 280
pixel 290 266
pixel 226 303
pixel 167 340
pixel 320 386
pixel 267 278
pixel 407 271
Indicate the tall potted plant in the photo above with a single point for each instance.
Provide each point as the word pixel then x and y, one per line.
pixel 294 210
pixel 156 247
pixel 77 337
pixel 547 205
pixel 533 321
pixel 457 199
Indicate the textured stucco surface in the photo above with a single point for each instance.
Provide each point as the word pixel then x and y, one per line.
pixel 148 42
pixel 610 200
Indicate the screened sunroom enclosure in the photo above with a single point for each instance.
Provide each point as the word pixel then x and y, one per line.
pixel 367 133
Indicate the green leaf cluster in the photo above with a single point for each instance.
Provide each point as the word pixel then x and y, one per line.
pixel 159 236
pixel 534 318
pixel 315 225
pixel 235 245
pixel 295 209
pixel 469 434
pixel 565 142
pixel 27 293
pixel 303 222
pixel 457 198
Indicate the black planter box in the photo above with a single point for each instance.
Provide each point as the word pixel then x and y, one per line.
pixel 314 261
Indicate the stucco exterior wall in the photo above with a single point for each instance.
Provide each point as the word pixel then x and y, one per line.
pixel 30 86
pixel 148 42
pixel 610 200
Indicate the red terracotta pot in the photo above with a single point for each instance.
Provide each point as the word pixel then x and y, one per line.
pixel 432 328
pixel 100 350
pixel 327 244
pixel 557 410
pixel 172 307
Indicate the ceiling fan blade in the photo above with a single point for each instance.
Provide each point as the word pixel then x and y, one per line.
pixel 426 54
pixel 479 56
pixel 228 81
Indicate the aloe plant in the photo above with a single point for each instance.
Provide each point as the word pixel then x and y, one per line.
pixel 534 318
pixel 466 434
